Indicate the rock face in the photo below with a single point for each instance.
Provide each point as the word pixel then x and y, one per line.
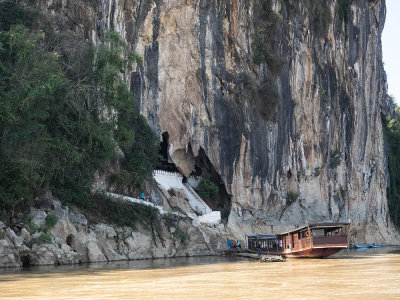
pixel 291 141
pixel 74 241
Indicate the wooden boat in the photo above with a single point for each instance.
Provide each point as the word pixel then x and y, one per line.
pixel 314 240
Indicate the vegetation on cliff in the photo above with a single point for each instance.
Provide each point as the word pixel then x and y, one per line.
pixel 392 129
pixel 125 213
pixel 64 113
pixel 208 189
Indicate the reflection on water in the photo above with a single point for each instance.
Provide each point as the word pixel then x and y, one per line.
pixel 350 274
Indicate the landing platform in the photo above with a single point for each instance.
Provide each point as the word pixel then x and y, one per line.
pixel 262 258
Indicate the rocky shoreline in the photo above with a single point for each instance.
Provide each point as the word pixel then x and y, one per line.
pixel 74 240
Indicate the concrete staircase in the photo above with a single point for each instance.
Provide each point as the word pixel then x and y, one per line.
pixel 170 180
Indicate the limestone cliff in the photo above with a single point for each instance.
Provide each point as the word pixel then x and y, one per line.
pixel 74 239
pixel 293 137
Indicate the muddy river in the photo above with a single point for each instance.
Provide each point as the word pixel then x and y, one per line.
pixel 350 274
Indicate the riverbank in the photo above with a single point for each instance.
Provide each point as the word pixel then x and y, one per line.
pixel 75 240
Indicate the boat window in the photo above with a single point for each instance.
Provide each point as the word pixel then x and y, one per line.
pixel 299 235
pixel 318 232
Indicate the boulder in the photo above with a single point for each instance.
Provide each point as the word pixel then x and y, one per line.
pixel 64 227
pixel 43 255
pixel 179 203
pixel 50 254
pixel 138 246
pixel 78 219
pixel 107 239
pixel 15 239
pixel 9 256
pixel 38 217
pixel 94 253
pixel 25 235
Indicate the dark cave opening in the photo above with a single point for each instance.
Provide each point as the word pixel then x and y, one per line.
pixel 70 240
pixel 26 261
pixel 163 161
pixel 204 166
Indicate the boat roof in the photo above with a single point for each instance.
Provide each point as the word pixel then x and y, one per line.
pixel 263 236
pixel 318 225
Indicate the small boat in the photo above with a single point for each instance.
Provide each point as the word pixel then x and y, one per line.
pixel 373 245
pixel 314 240
pixel 376 246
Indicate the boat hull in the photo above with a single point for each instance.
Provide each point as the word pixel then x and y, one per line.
pixel 313 252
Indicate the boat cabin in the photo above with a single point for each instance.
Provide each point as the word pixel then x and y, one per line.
pixel 269 243
pixel 314 240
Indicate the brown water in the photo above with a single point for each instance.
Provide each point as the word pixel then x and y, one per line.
pixel 351 274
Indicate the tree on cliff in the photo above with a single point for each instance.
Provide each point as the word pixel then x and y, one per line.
pixel 393 192
pixel 62 121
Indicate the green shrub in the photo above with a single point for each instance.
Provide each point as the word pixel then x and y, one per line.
pixel 324 99
pixel 267 101
pixel 126 213
pixel 207 189
pixel 44 238
pixel 225 212
pixel 343 192
pixel 10 14
pixel 263 54
pixel 179 235
pixel 292 197
pixel 170 219
pixel 344 14
pixel 320 15
pixel 335 159
pixel 32 226
pixel 263 96
pixel 290 7
pixel 51 220
pixel 266 23
pixel 392 133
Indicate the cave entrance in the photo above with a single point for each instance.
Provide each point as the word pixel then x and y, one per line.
pixel 210 178
pixel 70 240
pixel 164 161
pixel 25 260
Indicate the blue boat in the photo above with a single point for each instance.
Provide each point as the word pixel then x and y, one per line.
pixel 361 246
pixel 377 246
pixel 373 245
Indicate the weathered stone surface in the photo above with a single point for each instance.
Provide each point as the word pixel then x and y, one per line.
pixel 38 217
pixel 15 239
pixel 9 256
pixel 25 235
pixel 196 83
pixel 107 239
pixel 177 204
pixel 75 242
pixel 51 254
pixel 94 253
pixel 138 246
